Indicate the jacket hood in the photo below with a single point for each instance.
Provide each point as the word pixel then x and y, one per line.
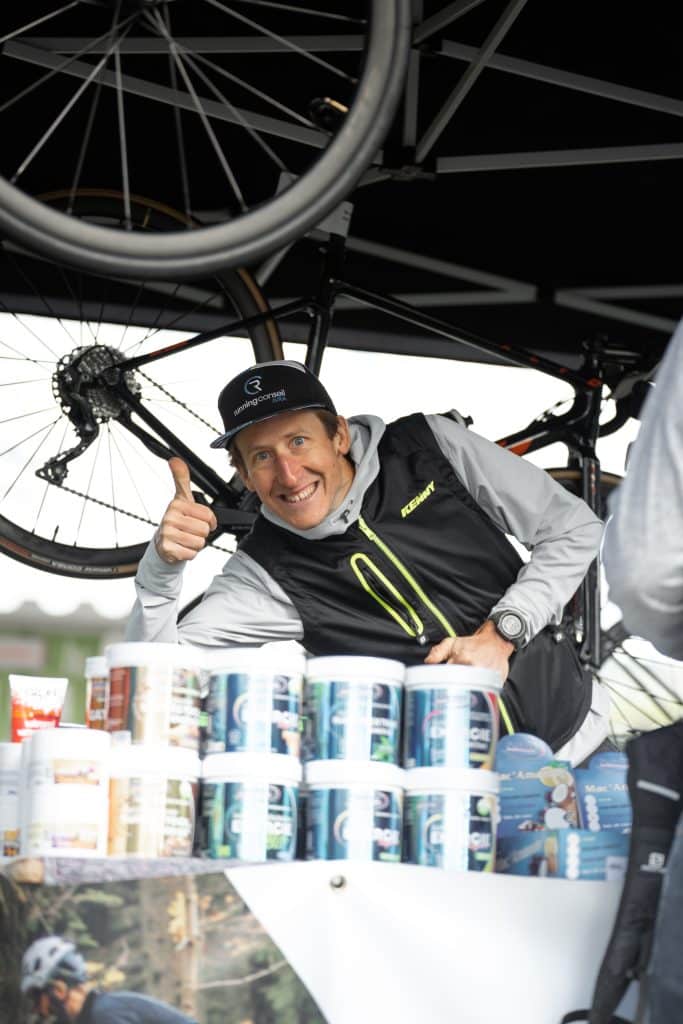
pixel 366 432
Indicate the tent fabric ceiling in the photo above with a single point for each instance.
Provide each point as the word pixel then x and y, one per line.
pixel 540 215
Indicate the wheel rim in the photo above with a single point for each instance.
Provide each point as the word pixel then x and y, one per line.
pixel 97 519
pixel 261 229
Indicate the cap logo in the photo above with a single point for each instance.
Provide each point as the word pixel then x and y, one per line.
pixel 254 386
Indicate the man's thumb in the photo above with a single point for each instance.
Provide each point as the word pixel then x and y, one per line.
pixel 181 478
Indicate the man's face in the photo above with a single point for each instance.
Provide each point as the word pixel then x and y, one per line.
pixel 51 1002
pixel 297 471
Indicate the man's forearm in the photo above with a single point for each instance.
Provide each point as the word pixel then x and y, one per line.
pixel 155 612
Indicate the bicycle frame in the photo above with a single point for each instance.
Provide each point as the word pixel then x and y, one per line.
pixel 578 427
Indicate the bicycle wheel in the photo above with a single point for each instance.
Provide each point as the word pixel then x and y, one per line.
pixel 645 687
pixel 92 513
pixel 188 100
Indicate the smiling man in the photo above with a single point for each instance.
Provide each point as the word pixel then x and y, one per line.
pixel 388 541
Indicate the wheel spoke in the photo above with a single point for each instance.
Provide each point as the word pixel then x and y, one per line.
pixel 303 10
pixel 616 692
pixel 95 452
pixel 25 415
pixel 38 21
pixel 266 97
pixel 87 134
pixel 268 150
pixel 46 487
pixel 288 43
pixel 227 170
pixel 121 119
pixel 49 428
pixel 89 48
pixel 49 132
pixel 51 313
pixel 111 485
pixel 178 125
pixel 124 463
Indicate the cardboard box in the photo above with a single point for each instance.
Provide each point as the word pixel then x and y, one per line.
pixel 571 853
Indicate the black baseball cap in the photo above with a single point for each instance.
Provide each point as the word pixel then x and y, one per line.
pixel 265 390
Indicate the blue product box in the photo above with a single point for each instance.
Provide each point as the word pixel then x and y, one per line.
pixel 536 791
pixel 574 854
pixel 602 791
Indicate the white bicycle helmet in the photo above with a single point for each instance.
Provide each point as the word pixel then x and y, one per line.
pixel 48 959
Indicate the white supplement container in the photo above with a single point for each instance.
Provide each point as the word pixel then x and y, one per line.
pixel 154 693
pixel 10 762
pixel 450 818
pixel 450 716
pixel 66 793
pixel 253 702
pixel 354 810
pixel 249 806
pixel 353 709
pixel 152 800
pixel 96 692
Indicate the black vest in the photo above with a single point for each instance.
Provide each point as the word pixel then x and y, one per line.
pixel 425 554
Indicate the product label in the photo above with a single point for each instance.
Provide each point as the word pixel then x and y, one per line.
pixel 253 712
pixel 36 704
pixel 358 722
pixel 96 707
pixel 70 818
pixel 150 816
pixel 250 821
pixel 344 824
pixel 46 836
pixel 9 812
pixel 450 727
pixel 157 704
pixel 450 830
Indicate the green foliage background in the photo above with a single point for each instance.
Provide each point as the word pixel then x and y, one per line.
pixel 188 940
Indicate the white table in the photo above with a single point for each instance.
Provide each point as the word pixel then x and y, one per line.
pixel 397 944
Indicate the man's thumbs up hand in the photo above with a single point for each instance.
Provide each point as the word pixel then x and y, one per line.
pixel 181 479
pixel 186 524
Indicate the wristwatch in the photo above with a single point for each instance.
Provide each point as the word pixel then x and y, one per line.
pixel 510 625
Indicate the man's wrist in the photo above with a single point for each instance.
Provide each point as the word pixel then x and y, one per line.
pixel 510 626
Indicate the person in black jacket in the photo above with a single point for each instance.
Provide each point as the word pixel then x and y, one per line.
pixel 54 976
pixel 386 540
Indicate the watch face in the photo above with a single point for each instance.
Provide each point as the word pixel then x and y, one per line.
pixel 511 625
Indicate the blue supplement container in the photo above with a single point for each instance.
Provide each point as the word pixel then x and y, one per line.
pixel 354 811
pixel 450 819
pixel 253 701
pixel 249 806
pixel 451 716
pixel 353 709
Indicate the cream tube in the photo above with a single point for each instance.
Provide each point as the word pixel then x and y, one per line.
pixel 37 703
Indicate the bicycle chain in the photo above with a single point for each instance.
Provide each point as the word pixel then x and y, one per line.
pixel 177 401
pixel 131 515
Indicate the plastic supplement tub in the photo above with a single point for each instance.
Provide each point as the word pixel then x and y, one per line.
pixel 451 716
pixel 450 819
pixel 66 793
pixel 249 806
pixel 354 810
pixel 153 795
pixel 97 691
pixel 353 709
pixel 154 693
pixel 253 703
pixel 10 761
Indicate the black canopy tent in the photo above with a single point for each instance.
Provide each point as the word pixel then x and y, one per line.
pixel 526 191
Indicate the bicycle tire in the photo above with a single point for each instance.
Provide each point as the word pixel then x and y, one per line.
pixel 110 562
pixel 262 229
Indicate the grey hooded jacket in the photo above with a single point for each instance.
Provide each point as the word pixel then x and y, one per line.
pixel 244 605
